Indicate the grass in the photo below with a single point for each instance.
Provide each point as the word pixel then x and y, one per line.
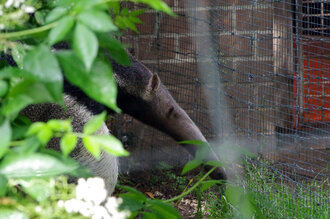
pixel 273 196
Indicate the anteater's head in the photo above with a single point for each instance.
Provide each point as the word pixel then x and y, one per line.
pixel 143 96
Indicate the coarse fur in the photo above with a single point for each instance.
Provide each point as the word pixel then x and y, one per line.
pixel 142 95
pixel 107 166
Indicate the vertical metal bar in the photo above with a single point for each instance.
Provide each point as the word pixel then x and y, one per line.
pixel 298 65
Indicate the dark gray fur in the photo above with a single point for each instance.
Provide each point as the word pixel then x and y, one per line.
pixel 141 95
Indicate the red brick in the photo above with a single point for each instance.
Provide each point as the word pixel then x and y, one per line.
pixel 239 95
pixel 247 19
pixel 178 73
pixel 227 71
pixel 174 24
pixel 230 2
pixel 213 3
pixel 149 49
pixel 265 45
pixel 169 2
pixel 254 121
pixel 254 71
pixel 194 3
pixel 234 45
pixel 148 25
pixel 226 20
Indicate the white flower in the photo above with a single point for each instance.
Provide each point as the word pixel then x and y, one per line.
pixel 120 214
pixel 91 190
pixel 72 205
pixel 99 212
pixel 90 194
pixel 60 203
pixel 38 209
pixel 9 3
pixel 15 3
pixel 27 9
pixel 112 206
pixel 2 26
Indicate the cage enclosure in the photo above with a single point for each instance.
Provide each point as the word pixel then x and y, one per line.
pixel 256 72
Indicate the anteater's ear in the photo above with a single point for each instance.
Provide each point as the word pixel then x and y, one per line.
pixel 154 83
pixel 153 86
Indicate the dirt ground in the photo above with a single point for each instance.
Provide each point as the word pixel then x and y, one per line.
pixel 165 184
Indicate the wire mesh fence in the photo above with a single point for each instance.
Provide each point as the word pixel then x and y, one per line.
pixel 271 82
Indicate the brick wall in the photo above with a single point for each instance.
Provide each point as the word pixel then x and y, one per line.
pixel 242 34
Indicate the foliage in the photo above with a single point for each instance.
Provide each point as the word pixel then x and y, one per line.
pixel 32 72
pixel 32 67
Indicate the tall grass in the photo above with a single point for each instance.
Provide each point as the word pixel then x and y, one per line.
pixel 275 196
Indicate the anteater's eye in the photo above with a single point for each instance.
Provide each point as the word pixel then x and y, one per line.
pixel 169 113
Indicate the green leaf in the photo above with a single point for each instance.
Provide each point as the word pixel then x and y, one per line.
pixel 34 165
pixel 85 45
pixel 134 20
pixel 234 194
pixel 115 49
pixel 40 16
pixel 42 63
pixel 94 124
pixel 68 143
pixel 131 202
pixel 110 144
pixel 22 120
pixel 56 13
pixel 5 136
pixel 60 125
pixel 3 185
pixel 134 191
pixel 44 135
pixel 166 207
pixel 30 145
pixel 24 93
pixel 3 88
pixel 19 131
pixel 39 189
pixel 208 184
pixel 10 72
pixel 149 215
pixel 194 142
pixel 92 146
pixel 137 12
pixel 18 53
pixel 115 6
pixel 158 5
pixel 124 22
pixel 246 208
pixel 191 165
pixel 214 163
pixel 59 32
pixel 83 5
pixel 163 212
pixel 203 152
pixel 98 84
pixel 9 213
pixel 35 128
pixel 97 20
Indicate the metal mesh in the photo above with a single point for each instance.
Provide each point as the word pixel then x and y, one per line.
pixel 273 80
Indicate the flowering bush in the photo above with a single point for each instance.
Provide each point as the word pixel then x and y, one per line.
pixel 32 72
pixel 92 201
